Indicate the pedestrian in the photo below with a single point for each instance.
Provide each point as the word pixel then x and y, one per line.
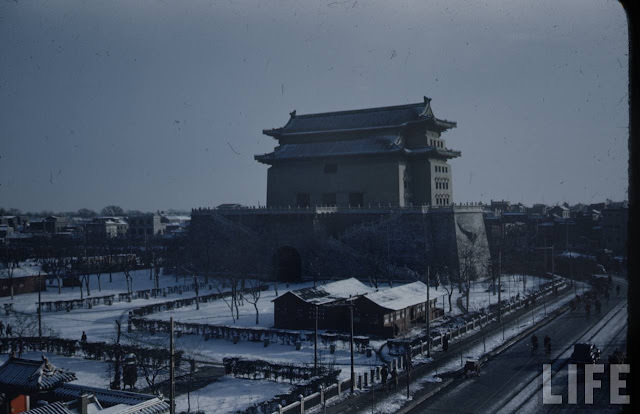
pixel 394 377
pixel 445 343
pixel 9 329
pixel 384 373
pixel 1 328
pixel 534 344
pixel 83 339
pixel 547 344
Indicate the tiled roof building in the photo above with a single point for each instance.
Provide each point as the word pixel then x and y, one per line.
pixel 390 155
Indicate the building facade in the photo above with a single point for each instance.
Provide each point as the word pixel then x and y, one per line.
pixel 146 225
pixel 391 156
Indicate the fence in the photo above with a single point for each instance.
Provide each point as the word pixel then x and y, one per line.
pixel 91 301
pixel 89 350
pixel 418 344
pixel 240 333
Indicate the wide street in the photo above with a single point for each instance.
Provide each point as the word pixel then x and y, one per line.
pixel 512 381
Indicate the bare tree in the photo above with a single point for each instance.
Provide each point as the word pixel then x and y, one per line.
pixel 129 279
pixel 252 295
pixel 445 280
pixel 11 262
pixel 230 300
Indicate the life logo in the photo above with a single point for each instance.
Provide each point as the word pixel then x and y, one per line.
pixel 617 382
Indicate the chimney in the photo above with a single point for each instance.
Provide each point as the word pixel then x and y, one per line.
pixel 84 402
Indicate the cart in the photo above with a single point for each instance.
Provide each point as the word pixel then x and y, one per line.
pixel 471 368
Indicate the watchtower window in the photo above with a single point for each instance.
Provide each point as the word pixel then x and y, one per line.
pixel 330 168
pixel 303 200
pixel 356 199
pixel 329 199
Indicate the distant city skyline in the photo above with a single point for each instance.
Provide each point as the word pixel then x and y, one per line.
pixel 157 106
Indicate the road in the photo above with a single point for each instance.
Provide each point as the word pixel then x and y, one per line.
pixel 512 381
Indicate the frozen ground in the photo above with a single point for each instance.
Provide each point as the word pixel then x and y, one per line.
pixel 27 268
pixel 228 395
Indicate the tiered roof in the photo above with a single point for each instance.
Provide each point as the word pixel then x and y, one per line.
pixel 361 119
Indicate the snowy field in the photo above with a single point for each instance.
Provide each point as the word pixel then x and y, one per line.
pixel 228 395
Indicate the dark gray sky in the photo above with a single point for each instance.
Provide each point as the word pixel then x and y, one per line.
pixel 160 104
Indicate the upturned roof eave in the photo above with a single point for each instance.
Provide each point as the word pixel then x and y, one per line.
pixel 440 123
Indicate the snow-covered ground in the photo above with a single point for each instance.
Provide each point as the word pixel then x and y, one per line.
pixel 27 268
pixel 229 395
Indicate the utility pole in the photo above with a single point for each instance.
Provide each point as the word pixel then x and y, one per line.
pixel 500 284
pixel 428 317
pixel 39 307
pixel 407 365
pixel 172 372
pixel 315 346
pixel 353 374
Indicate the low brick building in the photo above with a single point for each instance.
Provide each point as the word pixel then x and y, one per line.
pixel 394 311
pixel 296 309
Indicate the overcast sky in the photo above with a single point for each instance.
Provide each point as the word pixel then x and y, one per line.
pixel 160 104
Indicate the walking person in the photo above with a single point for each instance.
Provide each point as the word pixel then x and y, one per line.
pixel 384 373
pixel 547 344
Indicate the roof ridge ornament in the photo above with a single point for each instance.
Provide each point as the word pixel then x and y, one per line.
pixel 427 113
pixel 292 113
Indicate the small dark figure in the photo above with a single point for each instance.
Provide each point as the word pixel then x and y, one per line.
pixel 534 343
pixel 394 377
pixel 547 344
pixel 1 328
pixel 9 329
pixel 445 343
pixel 384 373
pixel 83 339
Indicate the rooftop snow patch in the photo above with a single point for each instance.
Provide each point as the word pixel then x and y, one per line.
pixel 401 297
pixel 333 291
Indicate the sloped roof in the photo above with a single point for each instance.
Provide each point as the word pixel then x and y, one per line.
pixel 106 397
pixel 57 407
pixel 379 117
pixel 153 406
pixel 401 297
pixel 380 144
pixel 332 291
pixel 33 375
pixel 367 146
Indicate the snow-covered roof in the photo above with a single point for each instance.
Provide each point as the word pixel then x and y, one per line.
pixel 333 291
pixel 401 297
pixel 106 397
pixel 29 375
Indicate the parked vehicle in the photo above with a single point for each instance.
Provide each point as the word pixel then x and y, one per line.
pixel 585 354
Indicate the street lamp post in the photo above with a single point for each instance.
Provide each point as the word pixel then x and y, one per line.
pixel 428 317
pixel 353 374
